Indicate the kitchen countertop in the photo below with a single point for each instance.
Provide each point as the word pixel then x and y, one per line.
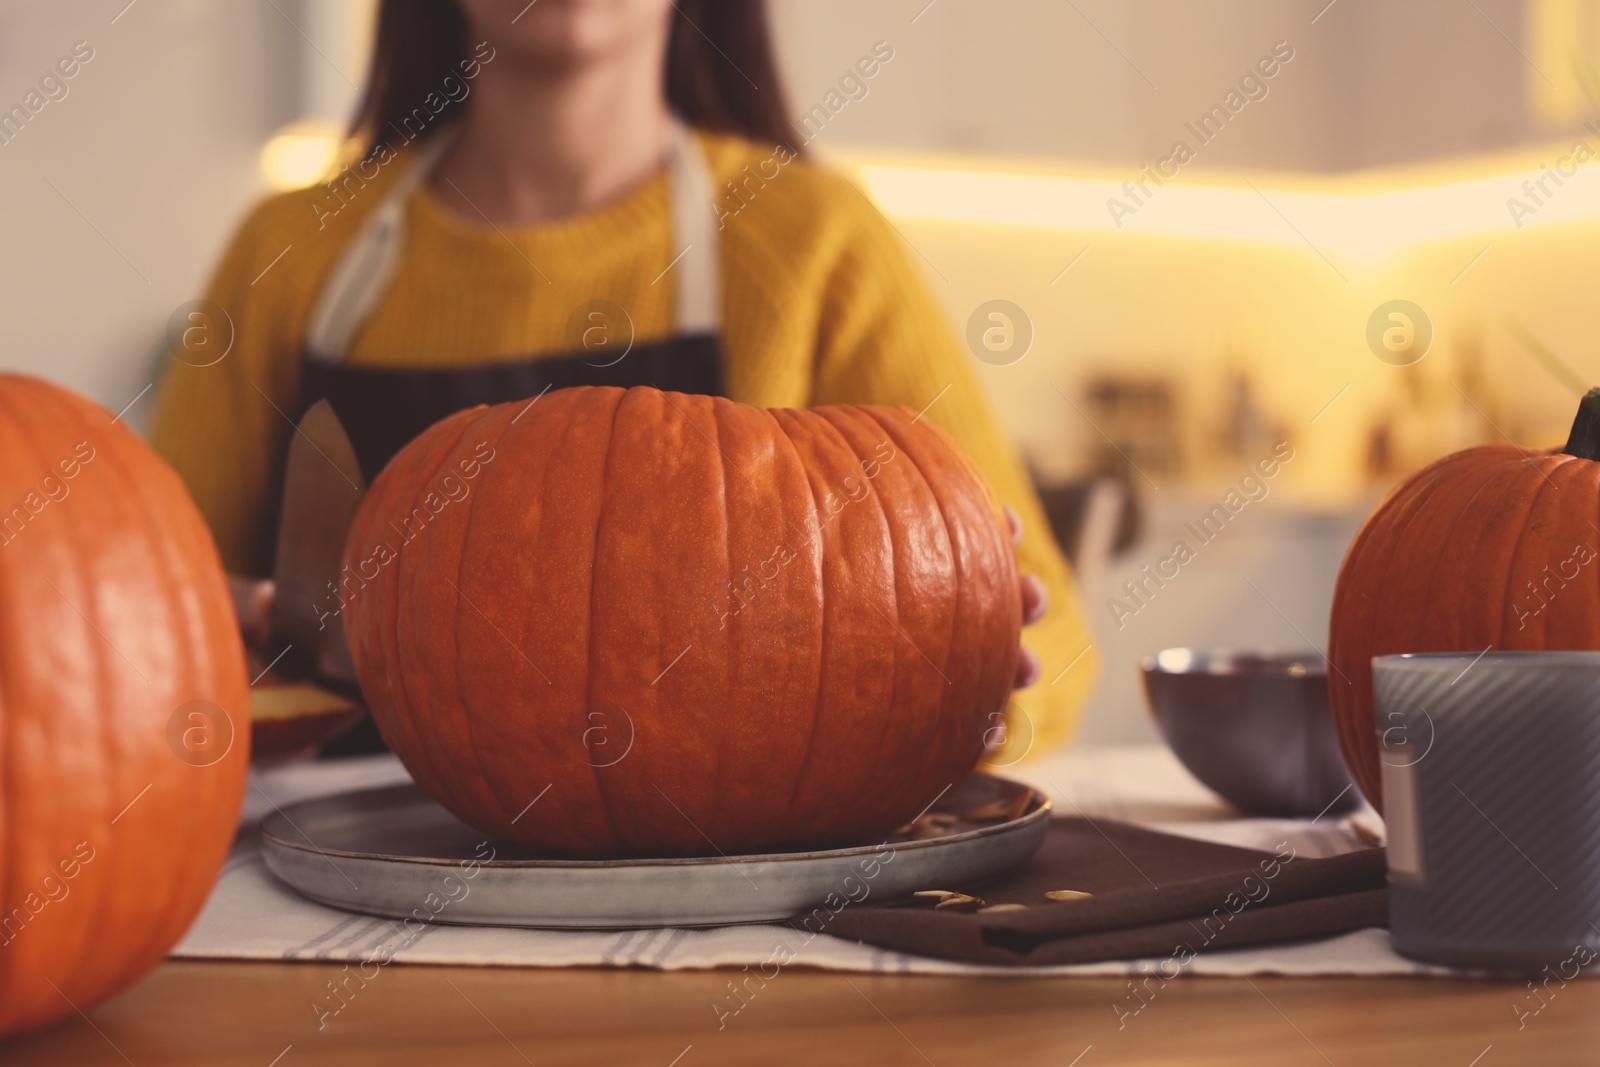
pixel 261 1013
pixel 246 1014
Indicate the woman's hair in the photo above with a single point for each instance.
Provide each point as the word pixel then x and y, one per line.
pixel 720 70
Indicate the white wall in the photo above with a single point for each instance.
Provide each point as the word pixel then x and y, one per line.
pixel 1265 582
pixel 1372 81
pixel 155 146
pixel 114 201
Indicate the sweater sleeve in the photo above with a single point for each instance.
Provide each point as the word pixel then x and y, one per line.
pixel 884 340
pixel 223 410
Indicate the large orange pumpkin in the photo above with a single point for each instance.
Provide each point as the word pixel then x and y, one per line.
pixel 124 706
pixel 681 625
pixel 1494 547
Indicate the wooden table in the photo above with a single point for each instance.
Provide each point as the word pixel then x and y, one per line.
pixel 260 1015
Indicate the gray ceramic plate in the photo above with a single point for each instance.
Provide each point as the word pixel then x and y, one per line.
pixel 395 852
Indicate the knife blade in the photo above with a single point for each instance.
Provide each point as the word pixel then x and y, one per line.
pixel 322 487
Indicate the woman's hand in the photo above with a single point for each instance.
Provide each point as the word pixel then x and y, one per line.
pixel 252 603
pixel 1035 601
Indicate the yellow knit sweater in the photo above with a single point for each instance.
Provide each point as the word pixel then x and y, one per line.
pixel 820 305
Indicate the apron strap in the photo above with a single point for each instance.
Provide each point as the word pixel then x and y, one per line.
pixel 698 278
pixel 366 268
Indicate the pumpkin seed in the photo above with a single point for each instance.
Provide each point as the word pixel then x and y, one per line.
pixel 990 812
pixel 947 899
pixel 932 824
pixel 1366 830
pixel 1020 805
pixel 923 833
pixel 1068 894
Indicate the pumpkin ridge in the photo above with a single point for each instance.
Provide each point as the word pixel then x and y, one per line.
pixel 176 885
pixel 374 506
pixel 77 558
pixel 733 681
pixel 1575 476
pixel 1522 522
pixel 534 615
pixel 789 421
pixel 1588 522
pixel 200 653
pixel 420 760
pixel 8 803
pixel 1548 619
pixel 899 434
pixel 617 837
pixel 1475 487
pixel 11 877
pixel 1593 614
pixel 552 504
pixel 78 564
pixel 824 440
pixel 1545 482
pixel 928 750
pixel 833 415
pixel 780 441
pixel 1480 531
pixel 490 781
pixel 760 678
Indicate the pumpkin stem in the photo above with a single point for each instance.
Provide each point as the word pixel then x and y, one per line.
pixel 1584 441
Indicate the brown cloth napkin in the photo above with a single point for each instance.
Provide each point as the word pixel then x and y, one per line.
pixel 1154 895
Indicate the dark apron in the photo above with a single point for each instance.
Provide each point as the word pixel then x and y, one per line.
pixel 382 408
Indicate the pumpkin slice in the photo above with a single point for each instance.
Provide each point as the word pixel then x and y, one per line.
pixel 292 719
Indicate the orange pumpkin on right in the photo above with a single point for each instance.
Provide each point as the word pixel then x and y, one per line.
pixel 1496 547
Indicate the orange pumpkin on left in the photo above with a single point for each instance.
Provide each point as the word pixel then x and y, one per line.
pixel 124 706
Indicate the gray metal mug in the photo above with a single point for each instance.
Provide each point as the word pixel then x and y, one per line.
pixel 1491 793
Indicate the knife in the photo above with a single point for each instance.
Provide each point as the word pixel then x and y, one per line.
pixel 322 487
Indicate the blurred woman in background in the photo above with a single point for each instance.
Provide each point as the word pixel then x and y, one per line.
pixel 574 192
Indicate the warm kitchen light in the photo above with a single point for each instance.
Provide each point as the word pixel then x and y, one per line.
pixel 1365 218
pixel 300 154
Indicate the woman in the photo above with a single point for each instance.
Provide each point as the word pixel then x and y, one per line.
pixel 530 212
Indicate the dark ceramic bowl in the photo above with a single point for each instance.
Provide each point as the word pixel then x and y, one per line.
pixel 1254 727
